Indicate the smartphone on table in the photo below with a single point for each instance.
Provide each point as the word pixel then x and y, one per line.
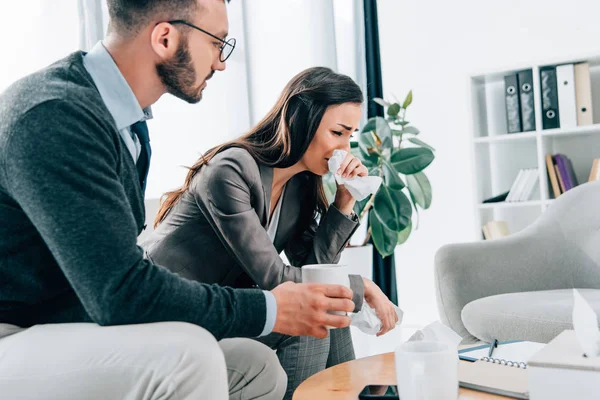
pixel 379 392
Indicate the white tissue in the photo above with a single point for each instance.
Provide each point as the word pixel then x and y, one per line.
pixel 367 320
pixel 585 323
pixel 438 332
pixel 359 187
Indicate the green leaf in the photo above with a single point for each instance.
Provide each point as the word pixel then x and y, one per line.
pixel 353 144
pixel 391 177
pixel 416 209
pixel 420 143
pixel 403 123
pixel 359 206
pixel 393 208
pixel 393 110
pixel 408 100
pixel 420 188
pixel 368 160
pixel 410 129
pixel 374 171
pixel 385 209
pixel 404 207
pixel 366 142
pixel 411 160
pixel 384 239
pixel 382 130
pixel 405 233
pixel 381 102
pixel 396 132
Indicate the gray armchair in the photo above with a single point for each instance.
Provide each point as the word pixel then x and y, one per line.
pixel 520 287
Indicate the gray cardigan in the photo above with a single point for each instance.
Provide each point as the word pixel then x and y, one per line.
pixel 226 210
pixel 71 209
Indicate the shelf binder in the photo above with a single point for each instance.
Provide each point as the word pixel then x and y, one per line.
pixel 513 109
pixel 525 80
pixel 550 118
pixel 565 82
pixel 583 94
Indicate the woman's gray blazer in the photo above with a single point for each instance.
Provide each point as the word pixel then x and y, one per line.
pixel 217 231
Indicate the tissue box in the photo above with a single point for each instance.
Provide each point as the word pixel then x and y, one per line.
pixel 560 371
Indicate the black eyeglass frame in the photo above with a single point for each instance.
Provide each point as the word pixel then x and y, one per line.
pixel 229 42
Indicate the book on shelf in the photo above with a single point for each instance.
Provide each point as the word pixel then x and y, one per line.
pixel 561 173
pixel 523 186
pixel 560 180
pixel 553 175
pixel 496 199
pixel 595 172
pixel 495 230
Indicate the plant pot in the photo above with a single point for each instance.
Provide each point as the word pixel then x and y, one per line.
pixel 359 260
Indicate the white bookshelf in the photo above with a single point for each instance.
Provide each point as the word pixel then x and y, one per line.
pixel 498 156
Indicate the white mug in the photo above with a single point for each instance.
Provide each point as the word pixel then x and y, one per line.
pixel 426 370
pixel 333 274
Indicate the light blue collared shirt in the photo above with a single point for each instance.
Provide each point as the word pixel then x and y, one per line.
pixel 117 96
pixel 126 111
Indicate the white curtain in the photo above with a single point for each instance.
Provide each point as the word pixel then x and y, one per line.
pixel 286 36
pixel 93 20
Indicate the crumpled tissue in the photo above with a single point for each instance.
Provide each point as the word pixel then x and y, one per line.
pixel 367 320
pixel 438 332
pixel 359 187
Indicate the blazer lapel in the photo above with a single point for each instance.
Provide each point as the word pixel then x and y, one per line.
pixel 290 210
pixel 266 177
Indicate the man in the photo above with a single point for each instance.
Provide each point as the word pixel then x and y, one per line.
pixel 82 313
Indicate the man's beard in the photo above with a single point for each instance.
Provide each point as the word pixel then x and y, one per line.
pixel 178 75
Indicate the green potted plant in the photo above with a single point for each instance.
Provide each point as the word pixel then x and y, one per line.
pixel 389 148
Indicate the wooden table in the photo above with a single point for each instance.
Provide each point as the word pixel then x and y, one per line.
pixel 345 381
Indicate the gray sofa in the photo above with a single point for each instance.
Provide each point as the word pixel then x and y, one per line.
pixel 520 287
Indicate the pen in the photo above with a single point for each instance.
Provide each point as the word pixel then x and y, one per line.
pixel 493 345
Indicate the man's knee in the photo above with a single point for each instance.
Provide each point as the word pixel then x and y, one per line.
pixel 198 363
pixel 193 346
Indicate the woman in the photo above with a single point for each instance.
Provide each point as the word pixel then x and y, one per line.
pixel 258 195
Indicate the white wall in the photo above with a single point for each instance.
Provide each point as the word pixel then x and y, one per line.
pixel 432 47
pixel 37 33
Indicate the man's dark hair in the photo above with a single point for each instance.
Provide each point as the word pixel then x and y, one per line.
pixel 128 16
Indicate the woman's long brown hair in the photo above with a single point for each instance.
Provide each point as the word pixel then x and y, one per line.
pixel 282 137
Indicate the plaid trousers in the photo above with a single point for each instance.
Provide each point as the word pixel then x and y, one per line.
pixel 304 356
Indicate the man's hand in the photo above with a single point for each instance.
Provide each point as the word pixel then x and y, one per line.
pixel 302 308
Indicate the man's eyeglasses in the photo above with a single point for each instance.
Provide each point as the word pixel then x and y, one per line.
pixel 227 46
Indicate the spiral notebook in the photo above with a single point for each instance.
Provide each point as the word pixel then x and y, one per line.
pixel 515 353
pixel 494 378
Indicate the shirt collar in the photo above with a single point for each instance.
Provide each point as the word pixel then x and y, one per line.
pixel 114 89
